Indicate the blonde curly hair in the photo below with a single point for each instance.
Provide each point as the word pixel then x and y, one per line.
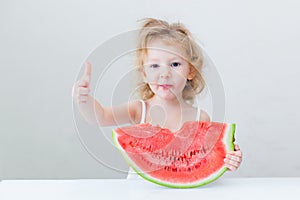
pixel 174 34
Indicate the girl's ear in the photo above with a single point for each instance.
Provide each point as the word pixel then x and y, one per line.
pixel 191 74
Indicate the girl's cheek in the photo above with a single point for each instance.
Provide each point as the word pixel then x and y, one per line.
pixel 150 77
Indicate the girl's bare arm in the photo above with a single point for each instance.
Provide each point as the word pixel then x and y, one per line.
pixel 94 112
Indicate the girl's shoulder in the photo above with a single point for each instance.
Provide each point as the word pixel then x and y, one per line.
pixel 204 116
pixel 135 108
pixel 196 113
pixel 201 114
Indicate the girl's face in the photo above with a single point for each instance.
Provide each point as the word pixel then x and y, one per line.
pixel 165 70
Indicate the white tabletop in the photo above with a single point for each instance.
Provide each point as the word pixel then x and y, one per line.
pixel 222 189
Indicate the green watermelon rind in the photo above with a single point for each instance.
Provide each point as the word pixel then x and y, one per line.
pixel 228 141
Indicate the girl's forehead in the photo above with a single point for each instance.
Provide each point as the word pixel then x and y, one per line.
pixel 158 48
pixel 158 54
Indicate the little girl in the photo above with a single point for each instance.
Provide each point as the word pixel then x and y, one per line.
pixel 170 63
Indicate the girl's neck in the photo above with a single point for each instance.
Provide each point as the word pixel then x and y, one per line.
pixel 176 102
pixel 169 114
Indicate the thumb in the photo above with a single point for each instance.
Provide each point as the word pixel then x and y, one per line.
pixel 87 72
pixel 236 147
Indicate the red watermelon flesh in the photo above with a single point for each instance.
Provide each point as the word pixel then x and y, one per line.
pixel 190 157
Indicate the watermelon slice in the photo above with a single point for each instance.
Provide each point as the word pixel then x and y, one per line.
pixel 190 157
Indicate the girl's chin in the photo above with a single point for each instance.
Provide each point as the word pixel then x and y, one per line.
pixel 166 95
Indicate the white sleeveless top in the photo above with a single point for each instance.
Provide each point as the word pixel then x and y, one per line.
pixel 131 173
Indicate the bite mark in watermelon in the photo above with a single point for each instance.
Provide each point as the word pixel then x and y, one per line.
pixel 190 157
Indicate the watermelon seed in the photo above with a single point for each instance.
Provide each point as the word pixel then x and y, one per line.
pixel 167 168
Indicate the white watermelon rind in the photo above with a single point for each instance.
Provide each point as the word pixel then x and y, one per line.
pixel 228 141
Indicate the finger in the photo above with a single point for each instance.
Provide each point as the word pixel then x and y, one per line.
pixel 231 168
pixel 83 83
pixel 235 153
pixel 231 163
pixel 87 71
pixel 236 147
pixel 82 99
pixel 234 157
pixel 83 91
pixel 81 102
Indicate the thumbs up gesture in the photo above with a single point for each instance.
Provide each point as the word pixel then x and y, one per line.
pixel 81 88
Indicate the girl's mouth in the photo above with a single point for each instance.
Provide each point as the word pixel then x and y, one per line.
pixel 165 86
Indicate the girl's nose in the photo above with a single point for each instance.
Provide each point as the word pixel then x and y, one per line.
pixel 165 72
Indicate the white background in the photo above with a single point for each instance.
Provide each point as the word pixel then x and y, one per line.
pixel 254 44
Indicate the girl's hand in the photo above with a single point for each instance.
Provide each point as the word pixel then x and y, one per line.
pixel 81 88
pixel 233 158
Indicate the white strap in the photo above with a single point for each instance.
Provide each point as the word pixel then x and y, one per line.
pixel 143 112
pixel 143 116
pixel 198 113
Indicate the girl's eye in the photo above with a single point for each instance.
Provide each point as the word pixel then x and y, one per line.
pixel 175 64
pixel 154 66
